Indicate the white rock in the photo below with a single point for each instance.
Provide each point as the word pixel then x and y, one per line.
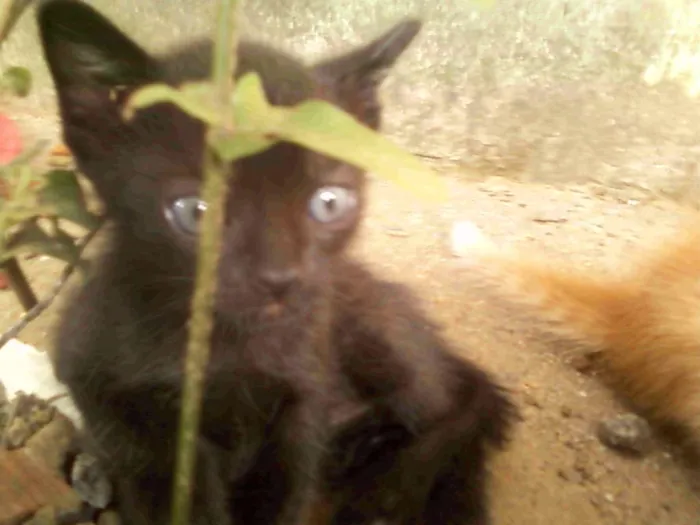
pixel 23 368
pixel 467 238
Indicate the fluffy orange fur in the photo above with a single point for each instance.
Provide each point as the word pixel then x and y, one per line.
pixel 646 323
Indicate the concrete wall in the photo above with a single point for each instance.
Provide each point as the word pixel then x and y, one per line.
pixel 547 89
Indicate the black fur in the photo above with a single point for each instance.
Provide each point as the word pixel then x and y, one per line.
pixel 327 389
pixel 434 415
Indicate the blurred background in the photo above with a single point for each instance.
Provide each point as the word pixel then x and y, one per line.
pixel 535 90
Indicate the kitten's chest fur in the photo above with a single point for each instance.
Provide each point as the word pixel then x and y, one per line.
pixel 122 336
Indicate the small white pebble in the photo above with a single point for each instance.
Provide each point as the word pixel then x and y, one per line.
pixel 467 238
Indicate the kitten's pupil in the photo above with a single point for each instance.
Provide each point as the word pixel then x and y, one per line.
pixel 185 212
pixel 199 210
pixel 329 199
pixel 332 203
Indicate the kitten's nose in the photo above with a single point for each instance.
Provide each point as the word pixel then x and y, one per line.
pixel 278 282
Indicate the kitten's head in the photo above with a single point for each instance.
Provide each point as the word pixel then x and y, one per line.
pixel 289 210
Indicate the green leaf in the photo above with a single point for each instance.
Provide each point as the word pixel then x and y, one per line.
pixel 251 110
pixel 233 146
pixel 193 98
pixel 16 80
pixel 19 182
pixel 315 124
pixel 253 117
pixel 31 238
pixel 320 126
pixel 23 184
pixel 62 193
pixel 11 215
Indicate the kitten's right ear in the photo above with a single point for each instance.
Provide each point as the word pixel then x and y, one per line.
pixel 84 49
pixel 357 75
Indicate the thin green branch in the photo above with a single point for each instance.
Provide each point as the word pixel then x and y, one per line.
pixel 225 56
pixel 214 193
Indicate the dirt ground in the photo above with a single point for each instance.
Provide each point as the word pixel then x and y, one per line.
pixel 555 470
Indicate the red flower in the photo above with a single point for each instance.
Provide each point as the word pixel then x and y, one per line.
pixel 10 140
pixel 10 147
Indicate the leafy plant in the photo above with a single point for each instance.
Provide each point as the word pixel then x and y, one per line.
pixel 34 203
pixel 314 124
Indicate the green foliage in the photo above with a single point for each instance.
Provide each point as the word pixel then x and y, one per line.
pixel 62 194
pixel 314 124
pixel 193 98
pixel 31 212
pixel 32 237
pixel 34 202
pixel 16 81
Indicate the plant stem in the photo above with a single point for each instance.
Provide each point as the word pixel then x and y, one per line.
pixel 10 11
pixel 19 284
pixel 225 57
pixel 214 193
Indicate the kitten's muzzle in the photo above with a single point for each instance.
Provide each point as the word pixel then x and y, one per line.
pixel 279 282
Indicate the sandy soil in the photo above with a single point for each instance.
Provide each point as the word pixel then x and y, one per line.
pixel 556 470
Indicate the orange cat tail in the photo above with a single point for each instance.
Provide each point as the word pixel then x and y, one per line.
pixel 645 323
pixel 579 306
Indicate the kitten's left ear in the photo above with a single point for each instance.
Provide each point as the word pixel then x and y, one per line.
pixel 82 47
pixel 356 76
pixel 94 67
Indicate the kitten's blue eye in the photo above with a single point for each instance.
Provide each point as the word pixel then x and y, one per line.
pixel 332 203
pixel 184 213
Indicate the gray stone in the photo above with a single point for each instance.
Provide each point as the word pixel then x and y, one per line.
pixel 17 433
pixel 26 415
pixel 90 481
pixel 40 414
pixel 626 433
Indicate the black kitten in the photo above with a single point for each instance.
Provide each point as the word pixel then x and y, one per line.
pixel 301 333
